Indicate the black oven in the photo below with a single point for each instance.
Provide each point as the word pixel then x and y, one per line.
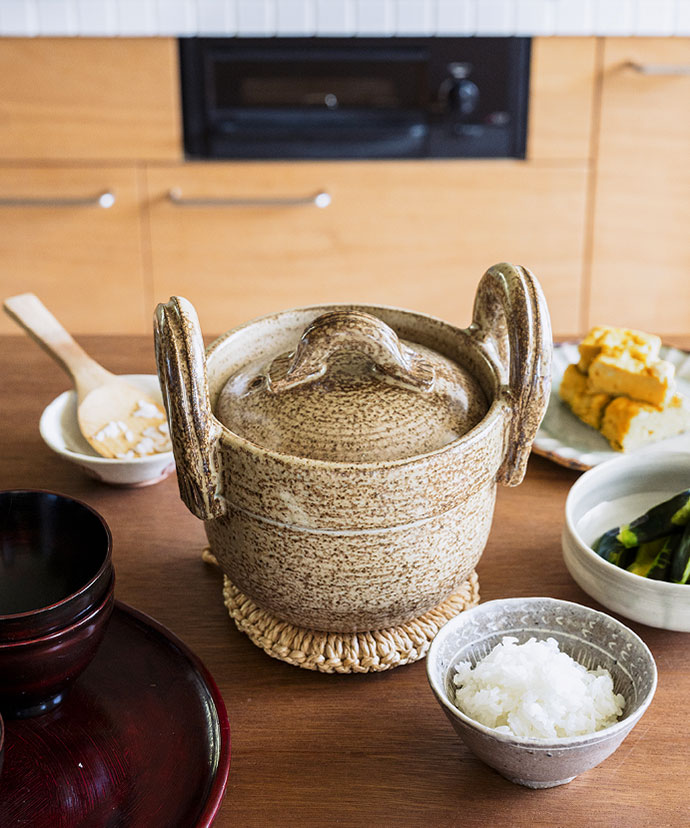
pixel 435 97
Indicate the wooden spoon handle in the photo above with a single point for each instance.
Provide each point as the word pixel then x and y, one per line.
pixel 28 311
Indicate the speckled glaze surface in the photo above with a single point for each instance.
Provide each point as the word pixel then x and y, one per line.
pixel 590 637
pixel 320 529
pixel 352 391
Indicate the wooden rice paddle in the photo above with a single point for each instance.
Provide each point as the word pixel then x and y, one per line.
pixel 113 414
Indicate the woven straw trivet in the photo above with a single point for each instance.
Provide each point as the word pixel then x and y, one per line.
pixel 363 652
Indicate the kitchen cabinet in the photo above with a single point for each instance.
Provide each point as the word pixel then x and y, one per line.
pixel 89 98
pixel 412 234
pixel 417 234
pixel 562 97
pixel 78 118
pixel 84 260
pixel 641 222
pixel 599 210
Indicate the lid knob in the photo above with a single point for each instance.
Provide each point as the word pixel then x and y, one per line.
pixel 345 330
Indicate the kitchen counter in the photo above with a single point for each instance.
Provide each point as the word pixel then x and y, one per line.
pixel 310 749
pixel 347 18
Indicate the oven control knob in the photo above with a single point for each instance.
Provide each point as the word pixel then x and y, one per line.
pixel 460 94
pixel 463 97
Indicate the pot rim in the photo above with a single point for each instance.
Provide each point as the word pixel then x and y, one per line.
pixel 496 409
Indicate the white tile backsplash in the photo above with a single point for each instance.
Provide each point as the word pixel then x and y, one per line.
pixel 216 18
pixel 335 18
pixel 18 18
pixel 573 17
pixel 267 18
pixel 413 17
pixel 456 17
pixel 495 17
pixel 532 17
pixel 614 17
pixel 655 17
pixel 682 26
pixel 97 19
pixel 137 17
pixel 375 18
pixel 177 17
pixel 296 17
pixel 57 18
pixel 256 18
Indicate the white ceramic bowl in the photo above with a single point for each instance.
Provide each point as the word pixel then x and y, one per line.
pixel 611 494
pixel 592 638
pixel 60 430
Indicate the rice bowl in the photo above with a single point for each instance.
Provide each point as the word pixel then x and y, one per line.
pixel 591 638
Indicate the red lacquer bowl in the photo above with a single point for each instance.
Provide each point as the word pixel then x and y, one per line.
pixel 35 673
pixel 55 563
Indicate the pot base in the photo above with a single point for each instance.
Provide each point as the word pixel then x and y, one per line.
pixel 363 652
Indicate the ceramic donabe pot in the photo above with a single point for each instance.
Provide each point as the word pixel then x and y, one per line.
pixel 345 458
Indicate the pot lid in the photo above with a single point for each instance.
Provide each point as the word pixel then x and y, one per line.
pixel 352 391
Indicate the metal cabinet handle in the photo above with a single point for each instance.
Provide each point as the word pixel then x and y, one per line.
pixel 105 200
pixel 320 199
pixel 669 69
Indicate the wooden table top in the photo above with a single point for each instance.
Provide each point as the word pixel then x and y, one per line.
pixel 310 749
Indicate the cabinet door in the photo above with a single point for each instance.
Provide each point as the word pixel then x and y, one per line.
pixel 561 98
pixel 87 98
pixel 641 245
pixel 413 234
pixel 83 260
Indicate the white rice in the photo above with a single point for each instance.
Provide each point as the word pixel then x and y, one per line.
pixel 535 691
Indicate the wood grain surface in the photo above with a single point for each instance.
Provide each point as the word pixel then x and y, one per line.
pixel 86 98
pixel 641 249
pixel 561 103
pixel 58 253
pixel 412 234
pixel 363 750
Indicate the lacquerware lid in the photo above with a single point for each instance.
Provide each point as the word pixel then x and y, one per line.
pixel 352 391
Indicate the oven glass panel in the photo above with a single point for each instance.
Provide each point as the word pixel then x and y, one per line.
pixel 319 85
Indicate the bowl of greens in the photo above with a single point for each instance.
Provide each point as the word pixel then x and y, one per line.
pixel 626 538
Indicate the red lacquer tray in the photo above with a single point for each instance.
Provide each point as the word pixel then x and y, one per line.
pixel 141 741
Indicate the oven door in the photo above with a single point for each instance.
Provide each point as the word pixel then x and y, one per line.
pixel 344 97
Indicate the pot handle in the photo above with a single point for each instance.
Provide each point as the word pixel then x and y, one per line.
pixel 194 431
pixel 511 323
pixel 352 330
